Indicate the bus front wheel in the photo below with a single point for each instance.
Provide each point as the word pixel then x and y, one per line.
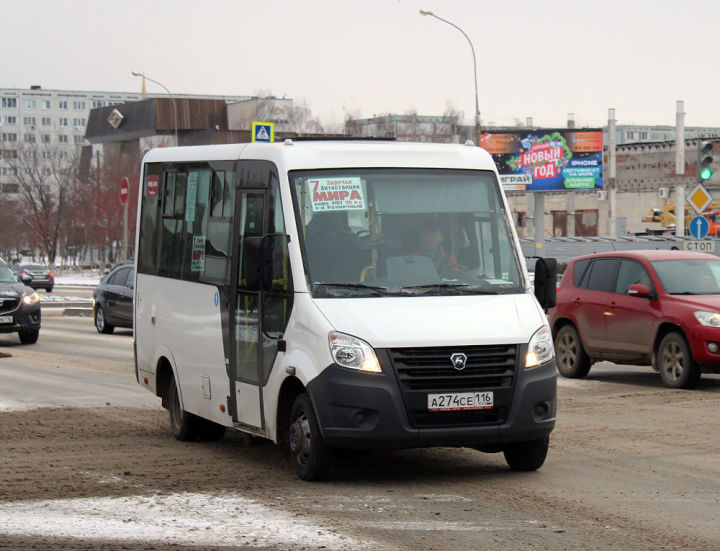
pixel 311 458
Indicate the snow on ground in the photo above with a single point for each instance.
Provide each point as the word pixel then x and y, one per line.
pixel 193 519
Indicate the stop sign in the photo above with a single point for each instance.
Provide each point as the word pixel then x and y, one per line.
pixel 123 191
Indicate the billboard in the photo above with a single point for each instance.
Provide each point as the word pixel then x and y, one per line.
pixel 547 159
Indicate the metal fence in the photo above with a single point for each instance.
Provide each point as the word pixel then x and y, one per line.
pixel 566 248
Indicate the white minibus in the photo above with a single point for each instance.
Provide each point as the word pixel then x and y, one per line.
pixel 341 294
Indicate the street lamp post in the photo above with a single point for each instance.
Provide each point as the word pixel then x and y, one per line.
pixel 477 110
pixel 143 75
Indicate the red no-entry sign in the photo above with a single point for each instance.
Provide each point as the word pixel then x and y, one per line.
pixel 123 191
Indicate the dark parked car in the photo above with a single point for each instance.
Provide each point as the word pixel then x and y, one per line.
pixel 659 308
pixel 19 306
pixel 113 299
pixel 40 276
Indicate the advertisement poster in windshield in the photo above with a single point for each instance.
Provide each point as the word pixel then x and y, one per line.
pixel 547 159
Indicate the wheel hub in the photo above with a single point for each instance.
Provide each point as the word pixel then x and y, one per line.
pixel 300 437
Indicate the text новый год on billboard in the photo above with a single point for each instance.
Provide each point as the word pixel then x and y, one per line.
pixel 547 160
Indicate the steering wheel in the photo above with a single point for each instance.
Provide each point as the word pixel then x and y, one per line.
pixel 452 268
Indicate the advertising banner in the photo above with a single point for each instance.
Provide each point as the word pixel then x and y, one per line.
pixel 547 159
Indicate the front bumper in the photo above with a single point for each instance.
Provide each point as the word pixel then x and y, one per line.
pixel 699 337
pixel 365 411
pixel 25 317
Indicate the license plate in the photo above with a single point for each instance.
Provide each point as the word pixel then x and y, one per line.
pixel 6 319
pixel 460 401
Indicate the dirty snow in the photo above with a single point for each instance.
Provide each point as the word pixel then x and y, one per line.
pixel 186 519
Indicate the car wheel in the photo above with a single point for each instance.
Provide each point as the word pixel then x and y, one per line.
pixel 572 361
pixel 101 325
pixel 48 289
pixel 29 336
pixel 675 364
pixel 527 456
pixel 311 458
pixel 185 426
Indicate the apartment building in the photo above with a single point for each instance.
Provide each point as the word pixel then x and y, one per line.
pixel 51 124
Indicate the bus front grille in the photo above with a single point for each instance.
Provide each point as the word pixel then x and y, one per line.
pixel 423 371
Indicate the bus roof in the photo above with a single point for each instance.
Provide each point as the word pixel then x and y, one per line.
pixel 317 154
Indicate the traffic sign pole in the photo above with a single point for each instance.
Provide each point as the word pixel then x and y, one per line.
pixel 124 192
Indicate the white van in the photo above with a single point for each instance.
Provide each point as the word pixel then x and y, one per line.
pixel 347 294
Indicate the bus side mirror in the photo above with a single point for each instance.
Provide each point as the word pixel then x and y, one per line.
pixel 264 260
pixel 252 262
pixel 546 282
pixel 274 260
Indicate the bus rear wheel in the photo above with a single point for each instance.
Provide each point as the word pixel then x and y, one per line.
pixel 184 425
pixel 310 457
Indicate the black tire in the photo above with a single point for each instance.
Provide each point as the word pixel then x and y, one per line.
pixel 101 323
pixel 572 361
pixel 209 431
pixel 185 426
pixel 527 456
pixel 48 289
pixel 675 364
pixel 310 457
pixel 29 336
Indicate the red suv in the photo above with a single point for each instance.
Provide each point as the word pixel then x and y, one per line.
pixel 659 308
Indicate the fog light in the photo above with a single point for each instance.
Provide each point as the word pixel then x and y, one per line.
pixel 712 347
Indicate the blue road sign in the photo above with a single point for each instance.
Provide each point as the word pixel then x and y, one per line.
pixel 699 227
pixel 263 132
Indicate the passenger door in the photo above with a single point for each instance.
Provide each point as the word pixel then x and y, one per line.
pixel 631 322
pixel 590 304
pixel 259 316
pixel 114 295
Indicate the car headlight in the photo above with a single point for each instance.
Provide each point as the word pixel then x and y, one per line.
pixel 708 319
pixel 540 348
pixel 31 298
pixel 353 353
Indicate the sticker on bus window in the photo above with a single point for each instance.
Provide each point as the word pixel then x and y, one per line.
pixel 197 263
pixel 152 185
pixel 191 196
pixel 330 194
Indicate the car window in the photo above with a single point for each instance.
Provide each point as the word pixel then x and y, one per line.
pixel 130 278
pixel 689 276
pixel 579 270
pixel 7 275
pixel 602 274
pixel 631 273
pixel 119 277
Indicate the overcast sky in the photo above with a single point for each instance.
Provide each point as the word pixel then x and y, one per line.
pixel 540 59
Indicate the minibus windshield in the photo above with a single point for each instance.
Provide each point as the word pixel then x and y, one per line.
pixel 404 232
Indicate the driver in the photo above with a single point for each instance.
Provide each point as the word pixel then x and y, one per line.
pixel 430 239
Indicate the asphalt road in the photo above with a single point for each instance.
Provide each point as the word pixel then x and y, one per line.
pixel 89 463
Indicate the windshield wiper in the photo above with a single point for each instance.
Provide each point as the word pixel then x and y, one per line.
pixel 447 288
pixel 376 288
pixel 434 285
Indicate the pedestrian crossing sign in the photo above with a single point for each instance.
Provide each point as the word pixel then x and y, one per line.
pixel 263 132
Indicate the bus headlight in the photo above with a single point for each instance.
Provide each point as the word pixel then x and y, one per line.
pixel 31 298
pixel 353 353
pixel 540 348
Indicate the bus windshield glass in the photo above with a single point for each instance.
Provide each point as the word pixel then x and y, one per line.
pixel 401 232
